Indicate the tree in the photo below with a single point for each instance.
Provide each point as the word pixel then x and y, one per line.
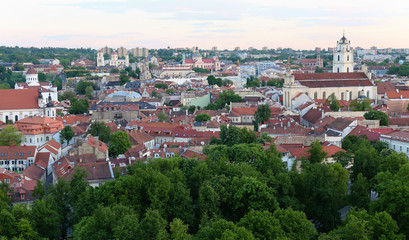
pixel 333 102
pixel 39 190
pixel 359 196
pixel 82 85
pixel 45 219
pixel 161 85
pixel 294 224
pixel 319 70
pixel 114 70
pixel 179 231
pixel 42 77
pixel 262 224
pixel 98 128
pixel 119 143
pixel 317 155
pixel 223 229
pixel 169 91
pixel 67 95
pixel 263 113
pixel 163 117
pixel 10 136
pixel 79 106
pixel 89 92
pixel 123 79
pixel 377 115
pixel 202 117
pixel 67 133
pixel 361 104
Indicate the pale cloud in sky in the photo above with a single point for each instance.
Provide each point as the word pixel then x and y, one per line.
pixel 298 24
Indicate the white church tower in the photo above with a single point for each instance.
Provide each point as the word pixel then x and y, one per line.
pixel 32 77
pixel 343 56
pixel 100 59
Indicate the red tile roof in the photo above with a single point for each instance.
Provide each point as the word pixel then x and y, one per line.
pixel 31 71
pixel 101 146
pixel 384 87
pixel 397 95
pixel 316 80
pixel 16 152
pixel 18 99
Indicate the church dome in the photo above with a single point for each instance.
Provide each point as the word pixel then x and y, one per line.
pixel 31 71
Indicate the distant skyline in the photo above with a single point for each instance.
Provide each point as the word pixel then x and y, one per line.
pixel 227 24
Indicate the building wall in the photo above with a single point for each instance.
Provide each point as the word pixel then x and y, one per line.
pixel 397 106
pixel 202 101
pixel 398 146
pixel 37 140
pixel 129 116
pixel 20 113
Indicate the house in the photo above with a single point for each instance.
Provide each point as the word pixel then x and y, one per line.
pixel 90 145
pixel 38 130
pixel 139 137
pixel 397 140
pixel 397 101
pixel 339 129
pixel 17 158
pixel 22 188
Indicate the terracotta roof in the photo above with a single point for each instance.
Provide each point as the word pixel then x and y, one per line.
pixel 313 115
pixel 399 121
pixel 244 111
pixel 18 99
pixel 16 152
pixel 384 87
pixel 192 154
pixel 101 146
pixel 139 137
pixel 340 124
pixel 97 170
pixel 31 71
pixel 34 172
pixel 300 152
pixel 332 149
pixel 397 95
pixel 318 80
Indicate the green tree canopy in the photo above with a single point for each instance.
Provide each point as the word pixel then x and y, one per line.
pixel 377 115
pixel 263 113
pixel 10 136
pixel 98 128
pixel 119 143
pixel 202 117
pixel 67 134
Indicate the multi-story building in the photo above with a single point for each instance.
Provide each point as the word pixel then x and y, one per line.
pixel 38 130
pixel 122 52
pixel 397 140
pixel 114 61
pixel 140 52
pixel 212 64
pixel 106 50
pixel 17 158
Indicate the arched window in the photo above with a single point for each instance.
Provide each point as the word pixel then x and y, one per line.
pixel 347 69
pixel 339 58
pixel 324 95
pixel 350 95
pixel 348 58
pixel 342 96
pixel 16 118
pixel 47 138
pixel 367 94
pixel 7 118
pixel 315 95
pixel 337 69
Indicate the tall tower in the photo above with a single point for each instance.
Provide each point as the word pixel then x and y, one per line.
pixel 100 59
pixel 32 77
pixel 343 56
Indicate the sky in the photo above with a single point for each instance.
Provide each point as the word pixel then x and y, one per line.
pixel 298 24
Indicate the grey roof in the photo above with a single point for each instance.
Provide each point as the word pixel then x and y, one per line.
pixel 142 105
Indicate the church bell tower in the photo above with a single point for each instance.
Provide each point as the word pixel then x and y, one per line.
pixel 343 57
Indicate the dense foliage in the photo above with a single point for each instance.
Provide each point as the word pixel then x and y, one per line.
pixel 225 97
pixel 241 191
pixel 377 115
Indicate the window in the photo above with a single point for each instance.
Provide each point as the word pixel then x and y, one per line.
pixel 324 95
pixel 342 96
pixel 350 95
pixel 337 69
pixel 16 118
pixel 347 58
pixel 315 95
pixel 47 138
pixel 338 60
pixel 400 149
pixel 347 69
pixel 367 94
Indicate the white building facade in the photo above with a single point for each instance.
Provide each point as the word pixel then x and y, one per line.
pixel 343 57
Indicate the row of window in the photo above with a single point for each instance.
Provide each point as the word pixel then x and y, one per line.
pixel 38 139
pixel 400 148
pixel 324 95
pixel 12 162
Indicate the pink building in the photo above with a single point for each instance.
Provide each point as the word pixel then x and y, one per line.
pixel 212 64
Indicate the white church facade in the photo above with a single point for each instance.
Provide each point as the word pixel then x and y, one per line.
pixel 114 61
pixel 342 82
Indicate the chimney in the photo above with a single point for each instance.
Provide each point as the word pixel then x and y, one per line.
pixel 96 140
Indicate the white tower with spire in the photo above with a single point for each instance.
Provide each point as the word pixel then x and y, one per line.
pixel 343 56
